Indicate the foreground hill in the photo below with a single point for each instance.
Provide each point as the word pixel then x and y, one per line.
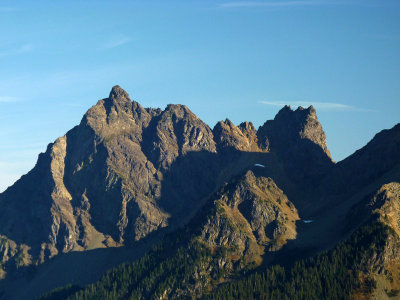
pixel 128 178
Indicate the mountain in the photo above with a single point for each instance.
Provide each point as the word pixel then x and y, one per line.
pixel 132 184
pixel 100 184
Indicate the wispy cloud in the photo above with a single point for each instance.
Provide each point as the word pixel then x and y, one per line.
pixel 6 99
pixel 276 4
pixel 321 106
pixel 117 41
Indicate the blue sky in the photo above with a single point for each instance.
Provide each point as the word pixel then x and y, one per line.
pixel 237 59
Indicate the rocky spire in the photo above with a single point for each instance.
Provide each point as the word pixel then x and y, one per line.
pixel 289 127
pixel 118 95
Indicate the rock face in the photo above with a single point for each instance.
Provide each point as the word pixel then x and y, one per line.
pixel 241 138
pixel 292 128
pixel 252 216
pixel 100 184
pixel 299 141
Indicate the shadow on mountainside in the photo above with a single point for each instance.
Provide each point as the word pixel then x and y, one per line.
pixel 196 175
pixel 76 268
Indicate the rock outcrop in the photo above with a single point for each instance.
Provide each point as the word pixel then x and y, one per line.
pixel 251 216
pixel 297 138
pixel 242 138
pixel 292 130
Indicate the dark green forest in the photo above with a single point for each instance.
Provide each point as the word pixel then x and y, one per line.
pixel 169 271
pixel 332 274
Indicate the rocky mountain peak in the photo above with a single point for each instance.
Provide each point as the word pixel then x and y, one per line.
pixel 117 105
pixel 247 127
pixel 118 94
pixel 290 127
pixel 179 111
pixel 298 118
pixel 284 110
pixel 177 108
pixel 252 216
pixel 229 136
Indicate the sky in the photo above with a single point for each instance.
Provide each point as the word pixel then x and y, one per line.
pixel 241 60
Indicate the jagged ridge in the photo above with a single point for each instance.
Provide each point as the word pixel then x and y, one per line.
pixel 127 171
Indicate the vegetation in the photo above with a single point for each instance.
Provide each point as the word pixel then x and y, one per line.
pixel 179 269
pixel 62 293
pixel 330 275
pixel 168 267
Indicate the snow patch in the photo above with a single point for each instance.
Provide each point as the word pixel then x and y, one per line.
pixel 259 165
